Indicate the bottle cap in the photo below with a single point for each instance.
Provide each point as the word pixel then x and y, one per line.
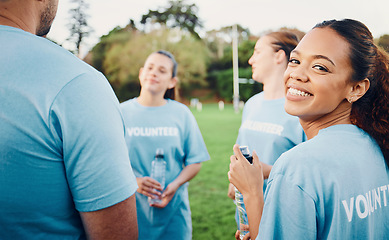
pixel 245 150
pixel 159 152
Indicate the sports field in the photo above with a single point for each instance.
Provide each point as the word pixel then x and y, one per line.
pixel 212 211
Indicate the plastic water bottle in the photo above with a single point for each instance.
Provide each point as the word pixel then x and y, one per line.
pixel 246 153
pixel 243 220
pixel 158 172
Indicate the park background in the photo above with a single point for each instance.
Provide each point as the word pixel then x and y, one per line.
pixel 204 55
pixel 205 65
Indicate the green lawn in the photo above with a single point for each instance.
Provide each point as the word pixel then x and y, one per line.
pixel 212 211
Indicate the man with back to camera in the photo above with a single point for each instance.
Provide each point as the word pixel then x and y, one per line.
pixel 64 167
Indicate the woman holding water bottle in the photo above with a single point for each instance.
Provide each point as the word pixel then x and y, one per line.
pixel 155 121
pixel 335 185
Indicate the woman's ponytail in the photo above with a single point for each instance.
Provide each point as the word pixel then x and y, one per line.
pixel 371 111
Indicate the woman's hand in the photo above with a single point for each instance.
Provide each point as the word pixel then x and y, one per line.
pixel 246 237
pixel 231 191
pixel 186 174
pixel 167 195
pixel 148 187
pixel 246 177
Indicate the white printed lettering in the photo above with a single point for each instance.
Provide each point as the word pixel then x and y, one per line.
pixel 263 127
pixel 383 188
pixel 369 202
pixel 153 132
pixel 366 204
pixel 377 198
pixel 136 132
pixel 349 211
pixel 129 131
pixel 358 208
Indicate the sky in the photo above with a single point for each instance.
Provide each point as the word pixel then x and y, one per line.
pixel 256 15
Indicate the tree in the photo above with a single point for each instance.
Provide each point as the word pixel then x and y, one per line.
pixel 218 40
pixel 177 14
pixel 383 42
pixel 117 36
pixel 79 28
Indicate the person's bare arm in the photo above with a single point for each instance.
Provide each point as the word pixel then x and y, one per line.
pixel 254 207
pixel 116 222
pixel 266 168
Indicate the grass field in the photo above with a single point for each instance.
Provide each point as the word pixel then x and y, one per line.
pixel 212 211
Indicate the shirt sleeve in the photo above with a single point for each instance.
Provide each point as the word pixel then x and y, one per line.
pixel 195 148
pixel 289 212
pixel 86 120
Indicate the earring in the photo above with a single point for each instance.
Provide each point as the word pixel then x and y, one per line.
pixel 350 100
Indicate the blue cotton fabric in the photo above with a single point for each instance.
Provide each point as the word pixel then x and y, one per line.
pixel 62 146
pixel 173 128
pixel 334 186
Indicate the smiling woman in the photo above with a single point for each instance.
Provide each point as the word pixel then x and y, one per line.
pixel 154 120
pixel 318 81
pixel 337 83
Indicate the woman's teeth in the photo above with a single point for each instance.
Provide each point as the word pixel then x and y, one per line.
pixel 296 92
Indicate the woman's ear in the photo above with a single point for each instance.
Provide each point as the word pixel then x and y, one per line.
pixel 140 72
pixel 173 82
pixel 358 90
pixel 280 56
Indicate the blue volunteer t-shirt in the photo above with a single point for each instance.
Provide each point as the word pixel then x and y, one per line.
pixel 334 186
pixel 173 128
pixel 62 146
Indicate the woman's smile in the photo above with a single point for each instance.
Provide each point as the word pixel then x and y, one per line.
pixel 296 92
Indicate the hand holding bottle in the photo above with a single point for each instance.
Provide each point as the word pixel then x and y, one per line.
pixel 246 177
pixel 167 195
pixel 238 236
pixel 148 186
pixel 158 173
pixel 231 191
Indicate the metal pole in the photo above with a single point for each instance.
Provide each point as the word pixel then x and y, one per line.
pixel 235 67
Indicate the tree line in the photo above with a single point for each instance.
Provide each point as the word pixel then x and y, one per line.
pixel 205 63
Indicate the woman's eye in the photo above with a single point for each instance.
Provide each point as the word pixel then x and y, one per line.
pixel 320 68
pixel 294 61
